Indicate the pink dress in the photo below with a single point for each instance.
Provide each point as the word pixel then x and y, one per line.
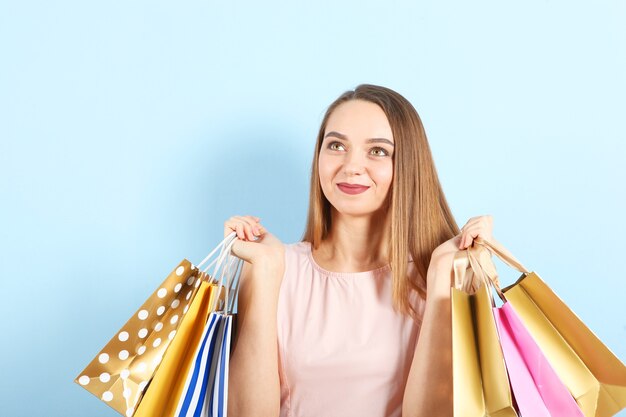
pixel 343 349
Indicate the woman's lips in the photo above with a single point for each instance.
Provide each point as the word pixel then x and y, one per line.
pixel 352 188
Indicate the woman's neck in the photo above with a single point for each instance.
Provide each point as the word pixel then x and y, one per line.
pixel 355 244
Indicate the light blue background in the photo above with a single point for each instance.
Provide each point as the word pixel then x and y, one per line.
pixel 130 130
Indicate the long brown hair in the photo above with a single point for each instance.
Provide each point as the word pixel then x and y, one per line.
pixel 420 216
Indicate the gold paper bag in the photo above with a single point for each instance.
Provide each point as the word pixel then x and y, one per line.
pixel 592 373
pixel 119 374
pixel 480 380
pixel 595 377
pixel 166 387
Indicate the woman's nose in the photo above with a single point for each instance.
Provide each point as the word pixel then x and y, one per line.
pixel 353 164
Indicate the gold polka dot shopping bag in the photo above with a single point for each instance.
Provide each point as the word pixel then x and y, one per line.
pixel 135 373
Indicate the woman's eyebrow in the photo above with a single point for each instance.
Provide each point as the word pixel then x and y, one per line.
pixel 380 140
pixel 336 134
pixel 344 137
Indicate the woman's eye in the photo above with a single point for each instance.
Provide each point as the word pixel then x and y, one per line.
pixel 336 146
pixel 379 152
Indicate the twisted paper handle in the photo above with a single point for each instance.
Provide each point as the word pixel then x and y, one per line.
pixel 477 258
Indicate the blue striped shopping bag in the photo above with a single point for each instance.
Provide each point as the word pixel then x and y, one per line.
pixel 206 387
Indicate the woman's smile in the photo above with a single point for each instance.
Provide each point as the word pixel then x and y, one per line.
pixel 352 188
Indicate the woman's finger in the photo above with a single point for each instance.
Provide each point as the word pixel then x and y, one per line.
pixel 245 219
pixel 252 223
pixel 240 231
pixel 247 227
pixel 482 227
pixel 250 233
pixel 231 226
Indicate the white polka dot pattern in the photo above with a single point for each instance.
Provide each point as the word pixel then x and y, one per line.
pixel 157 360
pixel 140 337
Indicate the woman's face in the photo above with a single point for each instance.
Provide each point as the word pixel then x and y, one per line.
pixel 355 161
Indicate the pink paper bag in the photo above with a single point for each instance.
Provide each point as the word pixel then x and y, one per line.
pixel 537 389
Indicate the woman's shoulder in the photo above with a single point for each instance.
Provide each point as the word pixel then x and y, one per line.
pixel 297 248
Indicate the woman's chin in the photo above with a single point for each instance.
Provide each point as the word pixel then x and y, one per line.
pixel 358 210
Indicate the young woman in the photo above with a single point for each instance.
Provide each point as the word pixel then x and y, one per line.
pixel 354 319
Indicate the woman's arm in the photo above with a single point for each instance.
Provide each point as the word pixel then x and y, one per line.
pixel 254 386
pixel 428 390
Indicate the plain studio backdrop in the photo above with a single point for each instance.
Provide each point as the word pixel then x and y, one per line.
pixel 130 130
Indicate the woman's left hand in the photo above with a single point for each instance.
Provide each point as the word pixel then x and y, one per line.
pixel 480 226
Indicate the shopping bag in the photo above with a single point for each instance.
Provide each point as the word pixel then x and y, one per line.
pixel 594 376
pixel 206 387
pixel 537 388
pixel 161 396
pixel 121 372
pixel 480 381
pixel 205 392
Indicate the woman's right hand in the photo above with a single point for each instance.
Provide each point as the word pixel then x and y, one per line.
pixel 254 244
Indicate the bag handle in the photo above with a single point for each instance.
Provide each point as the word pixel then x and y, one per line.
pixel 482 266
pixel 223 267
pixel 219 246
pixel 469 271
pixel 469 260
pixel 502 253
pixel 235 286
